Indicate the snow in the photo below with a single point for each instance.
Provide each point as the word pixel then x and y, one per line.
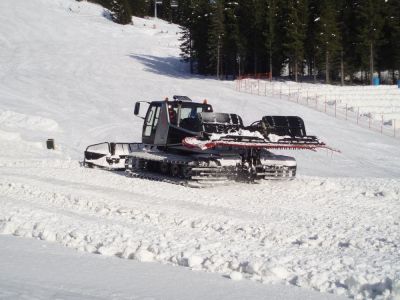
pixel 30 269
pixel 70 74
pixel 240 132
pixel 380 103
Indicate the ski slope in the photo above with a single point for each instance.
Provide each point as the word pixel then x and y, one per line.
pixel 68 73
pixel 67 274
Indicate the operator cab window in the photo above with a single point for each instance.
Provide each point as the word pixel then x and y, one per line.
pixel 188 115
pixel 152 120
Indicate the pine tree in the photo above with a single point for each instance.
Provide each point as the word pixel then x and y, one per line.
pixel 270 31
pixel 389 46
pixel 295 24
pixel 165 11
pixel 199 34
pixel 231 41
pixel 337 38
pixel 251 21
pixel 140 8
pixel 370 23
pixel 245 26
pixel 105 3
pixel 186 21
pixel 120 12
pixel 328 36
pixel 310 47
pixel 216 37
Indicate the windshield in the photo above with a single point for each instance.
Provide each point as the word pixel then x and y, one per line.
pixel 187 111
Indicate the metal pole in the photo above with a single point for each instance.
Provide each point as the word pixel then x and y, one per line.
pixel 155 9
pixel 218 58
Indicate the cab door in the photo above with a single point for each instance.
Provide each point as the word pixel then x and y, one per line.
pixel 150 123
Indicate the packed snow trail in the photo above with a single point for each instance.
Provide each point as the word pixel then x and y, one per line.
pixel 66 274
pixel 66 72
pixel 332 235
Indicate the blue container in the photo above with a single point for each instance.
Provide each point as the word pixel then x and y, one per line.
pixel 375 80
pixel 398 83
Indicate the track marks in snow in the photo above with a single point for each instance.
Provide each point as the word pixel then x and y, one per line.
pixel 332 235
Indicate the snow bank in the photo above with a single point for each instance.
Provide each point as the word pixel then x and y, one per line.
pixel 62 273
pixel 332 235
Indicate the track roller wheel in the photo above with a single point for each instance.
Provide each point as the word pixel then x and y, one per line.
pixel 175 170
pixel 186 172
pixel 164 168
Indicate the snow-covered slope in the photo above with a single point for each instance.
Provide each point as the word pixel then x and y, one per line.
pixel 66 274
pixel 66 72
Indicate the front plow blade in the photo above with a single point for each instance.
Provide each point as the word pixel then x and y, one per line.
pixel 109 156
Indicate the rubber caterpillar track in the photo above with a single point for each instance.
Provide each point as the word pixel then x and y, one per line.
pixel 191 174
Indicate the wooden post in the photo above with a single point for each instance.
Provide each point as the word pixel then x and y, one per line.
pixel 335 108
pixel 265 85
pixel 358 113
pixel 298 94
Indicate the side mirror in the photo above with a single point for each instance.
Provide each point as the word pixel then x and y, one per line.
pixel 137 108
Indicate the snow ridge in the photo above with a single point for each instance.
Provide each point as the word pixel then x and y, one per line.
pixel 346 245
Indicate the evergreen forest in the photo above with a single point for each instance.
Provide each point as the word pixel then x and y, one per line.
pixel 327 40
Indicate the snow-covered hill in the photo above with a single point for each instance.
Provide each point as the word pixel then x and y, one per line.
pixel 68 73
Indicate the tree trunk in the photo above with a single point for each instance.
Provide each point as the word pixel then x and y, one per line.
pixel 270 60
pixel 295 69
pixel 218 62
pixel 341 68
pixel 371 63
pixel 255 63
pixel 314 69
pixel 190 53
pixel 327 80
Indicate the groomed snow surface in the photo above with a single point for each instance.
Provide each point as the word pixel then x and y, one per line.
pixel 68 73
